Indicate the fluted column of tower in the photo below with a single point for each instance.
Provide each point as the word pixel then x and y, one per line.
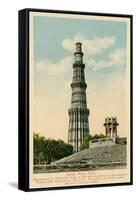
pixel 78 113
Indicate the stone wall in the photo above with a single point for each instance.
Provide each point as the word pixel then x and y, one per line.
pixel 101 142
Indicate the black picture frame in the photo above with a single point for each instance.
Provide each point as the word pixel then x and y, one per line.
pixel 23 132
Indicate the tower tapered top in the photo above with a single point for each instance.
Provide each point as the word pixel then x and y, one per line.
pixel 78 54
pixel 78 47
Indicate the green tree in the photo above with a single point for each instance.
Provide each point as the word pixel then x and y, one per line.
pixel 96 136
pixel 49 150
pixel 85 144
pixel 38 149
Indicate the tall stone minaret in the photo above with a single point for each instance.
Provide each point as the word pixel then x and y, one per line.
pixel 78 113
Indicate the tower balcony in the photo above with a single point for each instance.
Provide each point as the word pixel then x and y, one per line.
pixel 79 84
pixel 78 64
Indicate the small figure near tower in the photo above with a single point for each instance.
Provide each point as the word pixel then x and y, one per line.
pixel 111 127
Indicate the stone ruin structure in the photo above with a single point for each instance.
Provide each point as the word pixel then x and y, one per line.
pixel 111 127
pixel 110 133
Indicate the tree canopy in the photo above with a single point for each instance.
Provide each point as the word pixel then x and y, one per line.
pixel 47 150
pixel 85 144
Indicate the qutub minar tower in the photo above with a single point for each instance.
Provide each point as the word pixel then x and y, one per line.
pixel 78 113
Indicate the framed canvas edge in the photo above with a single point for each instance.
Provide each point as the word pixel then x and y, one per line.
pixel 23 107
pixel 24 58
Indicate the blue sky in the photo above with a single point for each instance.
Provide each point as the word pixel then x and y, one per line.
pixel 104 46
pixel 49 32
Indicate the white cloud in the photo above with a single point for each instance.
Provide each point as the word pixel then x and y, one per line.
pixel 90 46
pixel 115 59
pixel 118 56
pixel 59 67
